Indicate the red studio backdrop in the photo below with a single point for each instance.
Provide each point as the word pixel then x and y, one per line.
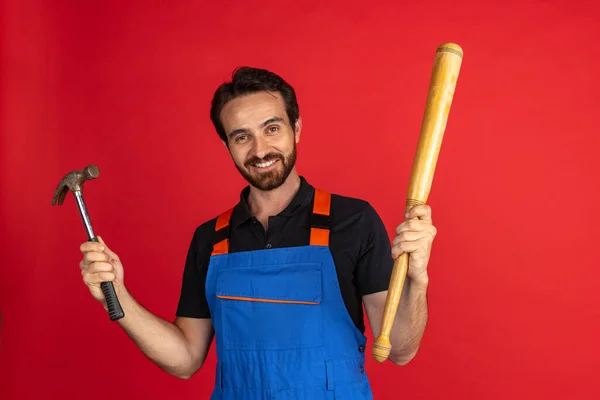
pixel 514 303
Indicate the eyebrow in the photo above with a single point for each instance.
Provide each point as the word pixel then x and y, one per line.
pixel 267 122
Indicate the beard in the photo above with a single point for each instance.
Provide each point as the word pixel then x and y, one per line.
pixel 271 179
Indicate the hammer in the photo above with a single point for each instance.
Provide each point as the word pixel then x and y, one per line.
pixel 74 181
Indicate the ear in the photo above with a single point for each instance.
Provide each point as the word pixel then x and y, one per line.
pixel 298 129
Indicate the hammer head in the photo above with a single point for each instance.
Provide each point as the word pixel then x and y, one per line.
pixel 73 181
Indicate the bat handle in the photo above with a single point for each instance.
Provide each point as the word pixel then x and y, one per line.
pixel 382 345
pixel 115 311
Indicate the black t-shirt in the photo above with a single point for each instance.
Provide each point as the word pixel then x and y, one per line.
pixel 358 242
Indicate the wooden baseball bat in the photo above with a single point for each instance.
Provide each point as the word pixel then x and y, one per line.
pixel 446 67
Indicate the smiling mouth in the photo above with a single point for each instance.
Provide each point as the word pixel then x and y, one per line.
pixel 265 164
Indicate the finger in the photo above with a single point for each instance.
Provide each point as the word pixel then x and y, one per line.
pixel 404 247
pixel 108 251
pixel 407 247
pixel 91 257
pixel 412 225
pixel 409 236
pixel 98 267
pixel 91 246
pixel 422 212
pixel 98 277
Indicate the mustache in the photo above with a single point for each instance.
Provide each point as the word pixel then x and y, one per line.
pixel 268 157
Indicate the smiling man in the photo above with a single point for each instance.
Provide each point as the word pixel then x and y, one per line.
pixel 281 277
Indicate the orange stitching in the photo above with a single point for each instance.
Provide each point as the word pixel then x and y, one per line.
pixel 266 300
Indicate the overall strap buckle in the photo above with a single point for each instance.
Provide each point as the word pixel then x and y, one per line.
pixel 221 242
pixel 320 220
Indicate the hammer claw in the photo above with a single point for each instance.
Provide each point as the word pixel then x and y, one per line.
pixel 60 194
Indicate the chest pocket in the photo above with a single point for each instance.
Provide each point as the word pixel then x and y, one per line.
pixel 271 307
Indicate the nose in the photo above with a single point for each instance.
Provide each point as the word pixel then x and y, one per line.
pixel 261 147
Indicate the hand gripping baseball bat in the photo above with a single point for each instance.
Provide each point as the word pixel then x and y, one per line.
pixel 446 67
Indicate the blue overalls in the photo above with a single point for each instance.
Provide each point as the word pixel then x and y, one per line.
pixel 282 328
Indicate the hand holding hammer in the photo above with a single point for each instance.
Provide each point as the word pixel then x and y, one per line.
pixel 73 182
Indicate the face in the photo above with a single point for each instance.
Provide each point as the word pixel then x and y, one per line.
pixel 261 141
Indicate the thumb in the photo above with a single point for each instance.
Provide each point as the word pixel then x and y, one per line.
pixel 108 251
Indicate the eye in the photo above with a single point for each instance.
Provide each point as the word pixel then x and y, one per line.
pixel 241 138
pixel 273 128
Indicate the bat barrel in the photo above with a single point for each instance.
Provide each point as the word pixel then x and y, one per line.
pixel 444 76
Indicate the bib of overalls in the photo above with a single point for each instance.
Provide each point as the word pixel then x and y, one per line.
pixel 281 326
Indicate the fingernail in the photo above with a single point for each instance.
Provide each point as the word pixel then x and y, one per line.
pixel 101 248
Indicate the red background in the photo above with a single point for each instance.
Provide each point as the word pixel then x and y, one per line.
pixel 514 308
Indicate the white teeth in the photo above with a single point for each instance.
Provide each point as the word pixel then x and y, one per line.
pixel 264 165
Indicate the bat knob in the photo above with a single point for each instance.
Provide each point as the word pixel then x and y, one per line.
pixel 381 348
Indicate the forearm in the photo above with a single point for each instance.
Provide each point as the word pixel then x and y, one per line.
pixel 410 322
pixel 163 342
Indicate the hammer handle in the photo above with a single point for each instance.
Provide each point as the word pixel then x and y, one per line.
pixel 115 311
pixel 114 307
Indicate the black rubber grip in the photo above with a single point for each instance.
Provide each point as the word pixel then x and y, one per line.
pixel 115 311
pixel 114 307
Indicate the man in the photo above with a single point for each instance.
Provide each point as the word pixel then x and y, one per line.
pixel 281 277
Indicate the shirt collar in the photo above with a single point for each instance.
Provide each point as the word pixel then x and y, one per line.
pixel 303 198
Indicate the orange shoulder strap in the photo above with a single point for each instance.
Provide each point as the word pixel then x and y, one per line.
pixel 319 223
pixel 221 243
pixel 319 229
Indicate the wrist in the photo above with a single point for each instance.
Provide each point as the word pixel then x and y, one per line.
pixel 420 282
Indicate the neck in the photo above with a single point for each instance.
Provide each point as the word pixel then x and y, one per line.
pixel 264 204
